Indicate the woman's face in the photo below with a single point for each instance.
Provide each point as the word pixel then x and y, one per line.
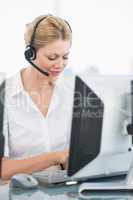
pixel 54 57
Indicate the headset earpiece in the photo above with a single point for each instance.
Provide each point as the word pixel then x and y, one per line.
pixel 30 53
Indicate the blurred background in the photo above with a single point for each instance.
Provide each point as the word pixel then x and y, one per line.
pixel 102 33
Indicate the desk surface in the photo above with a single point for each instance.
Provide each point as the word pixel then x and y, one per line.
pixel 59 192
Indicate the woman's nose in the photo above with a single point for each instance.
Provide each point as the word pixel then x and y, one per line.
pixel 60 63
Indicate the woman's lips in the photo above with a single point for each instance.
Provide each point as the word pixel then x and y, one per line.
pixel 55 72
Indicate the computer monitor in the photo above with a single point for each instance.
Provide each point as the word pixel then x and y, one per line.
pixel 87 122
pixel 100 144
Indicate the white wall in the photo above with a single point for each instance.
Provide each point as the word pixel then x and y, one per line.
pixel 102 32
pixel 13 17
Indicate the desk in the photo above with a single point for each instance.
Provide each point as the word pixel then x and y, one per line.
pixel 56 193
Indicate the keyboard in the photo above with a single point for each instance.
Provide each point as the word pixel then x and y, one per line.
pixel 57 176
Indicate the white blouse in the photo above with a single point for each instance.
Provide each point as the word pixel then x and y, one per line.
pixel 27 132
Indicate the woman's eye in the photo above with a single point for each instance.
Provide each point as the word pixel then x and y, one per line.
pixel 50 58
pixel 54 58
pixel 65 58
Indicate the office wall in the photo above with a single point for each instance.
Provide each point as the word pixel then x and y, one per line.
pixel 13 17
pixel 103 34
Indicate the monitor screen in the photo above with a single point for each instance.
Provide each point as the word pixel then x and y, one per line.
pixel 86 127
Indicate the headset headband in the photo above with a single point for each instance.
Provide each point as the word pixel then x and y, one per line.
pixel 34 31
pixel 36 25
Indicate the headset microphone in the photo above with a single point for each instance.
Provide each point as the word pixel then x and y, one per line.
pixel 44 72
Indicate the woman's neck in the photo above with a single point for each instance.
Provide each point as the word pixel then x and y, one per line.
pixel 33 80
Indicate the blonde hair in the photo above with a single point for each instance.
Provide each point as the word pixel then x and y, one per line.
pixel 51 28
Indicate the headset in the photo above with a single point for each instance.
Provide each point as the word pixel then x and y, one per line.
pixel 30 50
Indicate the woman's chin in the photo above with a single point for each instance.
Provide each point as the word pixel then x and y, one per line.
pixel 54 78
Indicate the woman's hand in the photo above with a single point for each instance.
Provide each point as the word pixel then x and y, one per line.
pixel 62 158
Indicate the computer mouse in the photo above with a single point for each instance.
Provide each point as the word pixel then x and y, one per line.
pixel 24 181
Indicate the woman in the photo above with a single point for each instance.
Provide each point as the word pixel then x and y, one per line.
pixel 39 101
